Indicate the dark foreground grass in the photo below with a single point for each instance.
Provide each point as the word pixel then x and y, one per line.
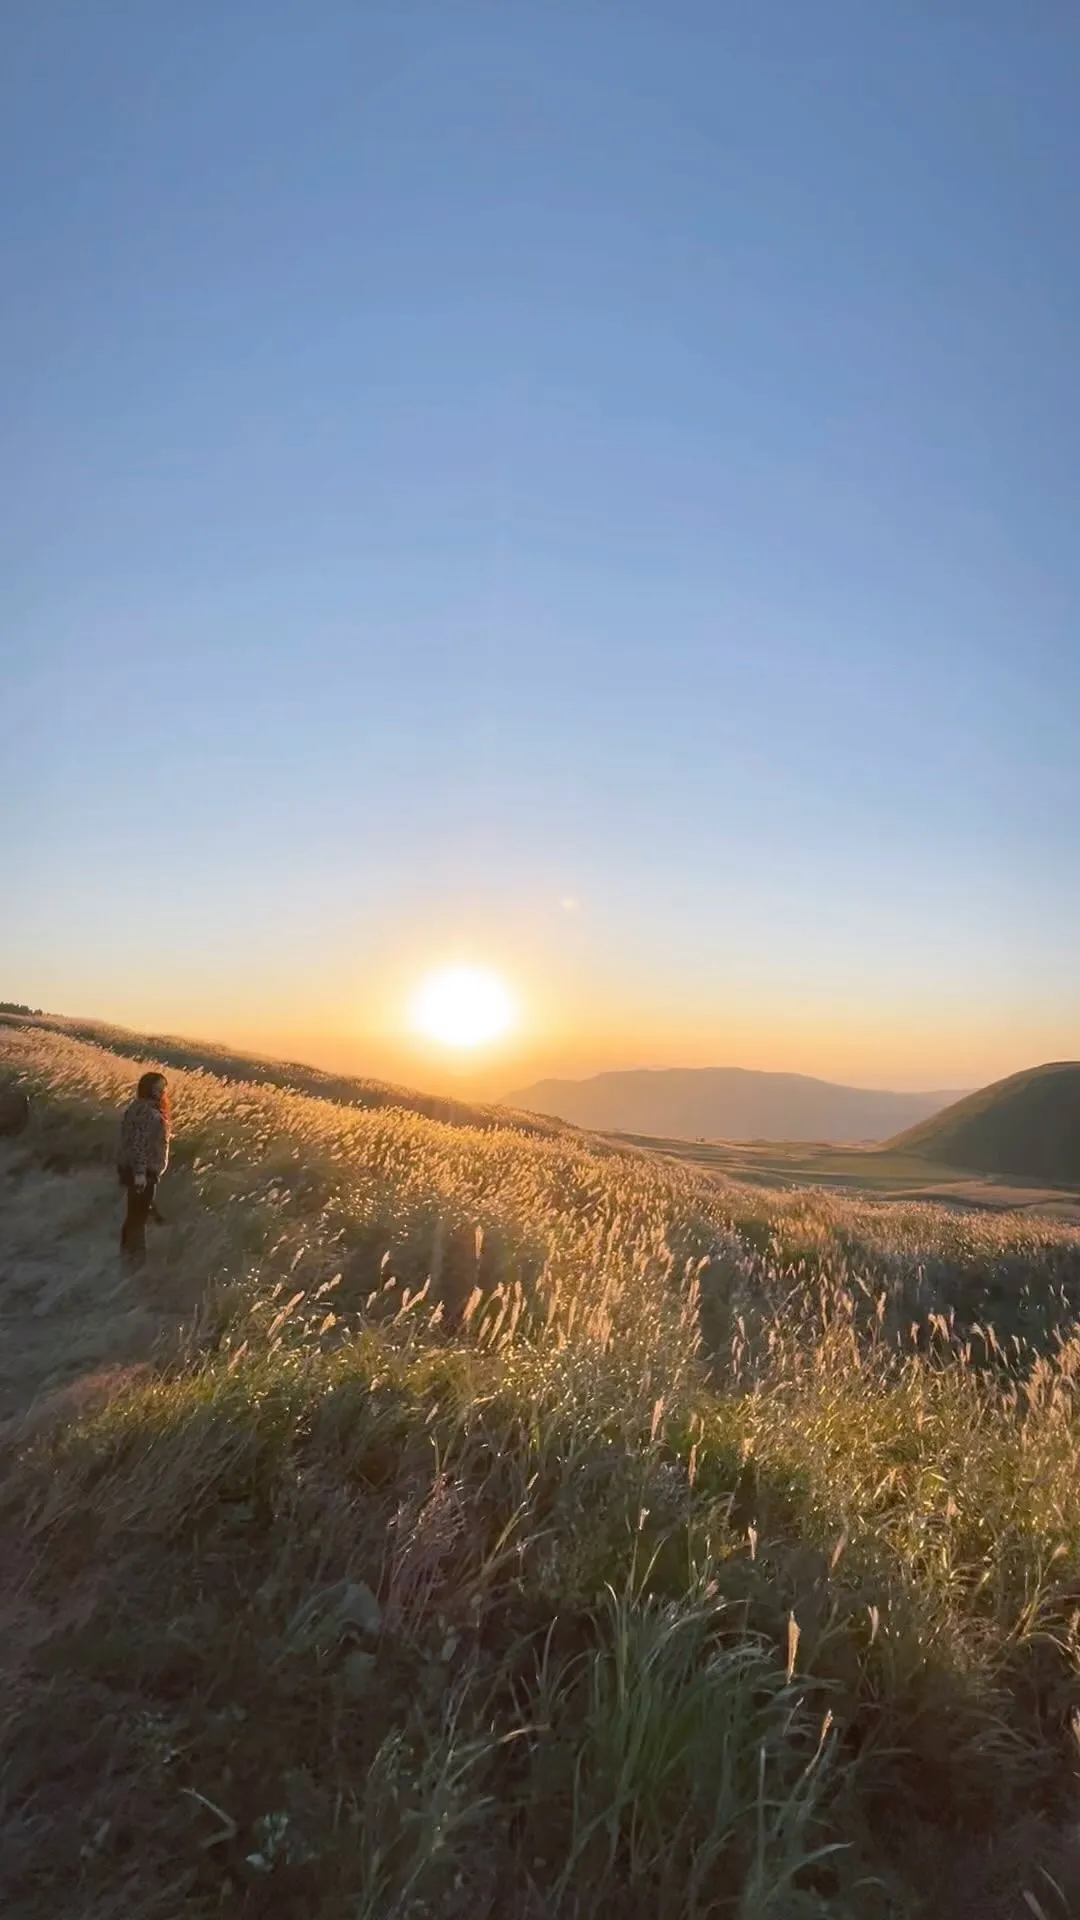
pixel 410 1630
pixel 686 1584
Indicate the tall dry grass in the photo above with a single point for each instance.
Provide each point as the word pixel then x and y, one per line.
pixel 516 1528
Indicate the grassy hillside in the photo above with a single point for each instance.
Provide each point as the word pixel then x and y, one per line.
pixel 351 1090
pixel 1027 1126
pixel 727 1103
pixel 501 1527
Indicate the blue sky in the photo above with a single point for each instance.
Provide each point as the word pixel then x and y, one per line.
pixel 462 459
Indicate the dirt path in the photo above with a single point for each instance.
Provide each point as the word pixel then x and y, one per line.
pixel 70 1315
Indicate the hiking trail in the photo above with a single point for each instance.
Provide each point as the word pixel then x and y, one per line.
pixel 72 1317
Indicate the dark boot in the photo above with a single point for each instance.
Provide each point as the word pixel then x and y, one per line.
pixel 133 1235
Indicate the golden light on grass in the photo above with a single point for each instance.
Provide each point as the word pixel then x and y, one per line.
pixel 463 1007
pixel 631 1327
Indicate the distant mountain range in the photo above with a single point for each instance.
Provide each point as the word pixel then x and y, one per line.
pixel 728 1103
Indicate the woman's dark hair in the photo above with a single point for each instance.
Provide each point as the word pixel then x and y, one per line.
pixel 152 1086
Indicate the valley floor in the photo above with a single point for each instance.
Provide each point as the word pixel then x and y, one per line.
pixel 870 1171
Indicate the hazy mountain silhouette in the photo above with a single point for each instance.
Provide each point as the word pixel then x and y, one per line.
pixel 1028 1125
pixel 727 1103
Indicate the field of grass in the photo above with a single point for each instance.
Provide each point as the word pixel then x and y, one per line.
pixel 505 1527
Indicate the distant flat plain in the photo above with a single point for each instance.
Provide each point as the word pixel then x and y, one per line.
pixel 877 1171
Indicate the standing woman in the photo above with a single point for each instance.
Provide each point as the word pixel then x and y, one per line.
pixel 143 1157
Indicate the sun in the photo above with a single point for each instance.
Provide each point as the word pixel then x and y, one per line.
pixel 463 1007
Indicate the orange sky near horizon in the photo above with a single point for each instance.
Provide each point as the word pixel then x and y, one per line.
pixel 924 1044
pixel 856 1000
pixel 901 1060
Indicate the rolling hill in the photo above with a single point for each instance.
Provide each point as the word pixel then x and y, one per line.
pixel 1027 1125
pixel 727 1103
pixel 349 1090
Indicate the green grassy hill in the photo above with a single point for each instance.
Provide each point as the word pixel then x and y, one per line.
pixel 1027 1126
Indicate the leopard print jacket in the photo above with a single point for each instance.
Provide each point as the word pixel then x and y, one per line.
pixel 144 1139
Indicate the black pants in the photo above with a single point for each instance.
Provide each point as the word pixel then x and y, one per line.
pixel 140 1205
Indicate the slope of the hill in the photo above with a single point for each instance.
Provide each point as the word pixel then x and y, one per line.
pixel 347 1090
pixel 1028 1125
pixel 460 1523
pixel 727 1103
